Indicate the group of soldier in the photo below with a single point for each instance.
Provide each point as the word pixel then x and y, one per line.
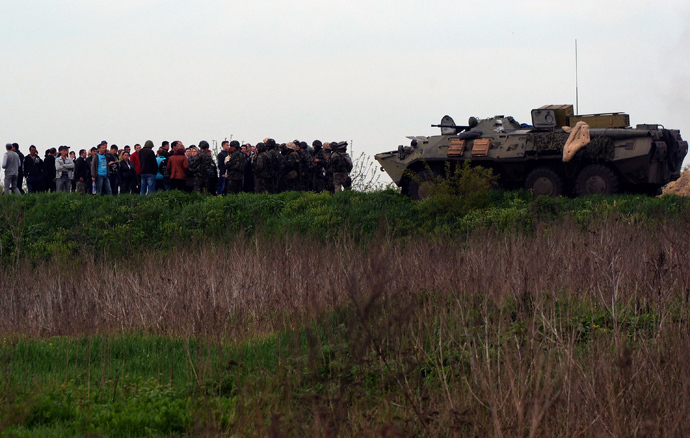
pixel 267 167
pixel 274 168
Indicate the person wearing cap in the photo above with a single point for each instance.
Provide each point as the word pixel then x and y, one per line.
pixel 201 168
pixel 307 166
pixel 64 171
pixel 11 164
pixel 341 166
pixel 319 167
pixel 277 165
pixel 149 168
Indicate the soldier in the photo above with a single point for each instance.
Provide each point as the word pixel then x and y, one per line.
pixel 307 166
pixel 328 152
pixel 293 168
pixel 320 163
pixel 276 165
pixel 234 166
pixel 201 168
pixel 262 170
pixel 341 165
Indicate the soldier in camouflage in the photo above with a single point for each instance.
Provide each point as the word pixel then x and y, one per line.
pixel 293 168
pixel 234 166
pixel 320 163
pixel 328 152
pixel 276 165
pixel 341 166
pixel 307 166
pixel 201 168
pixel 262 170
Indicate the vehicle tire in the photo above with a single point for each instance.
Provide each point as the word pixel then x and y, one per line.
pixel 418 187
pixel 596 179
pixel 544 182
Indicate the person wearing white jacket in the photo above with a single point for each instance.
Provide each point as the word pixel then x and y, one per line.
pixel 64 170
pixel 11 164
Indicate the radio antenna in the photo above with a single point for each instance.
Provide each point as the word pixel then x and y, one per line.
pixel 577 91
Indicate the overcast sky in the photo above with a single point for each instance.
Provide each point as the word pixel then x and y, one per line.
pixel 81 71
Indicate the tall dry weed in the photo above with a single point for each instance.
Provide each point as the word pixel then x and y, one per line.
pixel 562 332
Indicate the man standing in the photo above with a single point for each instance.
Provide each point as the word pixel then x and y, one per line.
pixel 293 168
pixel 341 166
pixel 81 172
pixel 277 166
pixel 235 168
pixel 134 158
pixel 15 147
pixel 11 164
pixel 33 170
pixel 201 168
pixel 221 166
pixel 99 171
pixel 319 167
pixel 49 170
pixel 64 171
pixel 113 167
pixel 262 169
pixel 149 168
pixel 90 185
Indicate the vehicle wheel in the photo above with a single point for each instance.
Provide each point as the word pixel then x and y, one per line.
pixel 419 186
pixel 596 179
pixel 544 182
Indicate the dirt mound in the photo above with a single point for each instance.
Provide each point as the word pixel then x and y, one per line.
pixel 681 186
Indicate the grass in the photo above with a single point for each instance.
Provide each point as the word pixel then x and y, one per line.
pixel 43 226
pixel 570 328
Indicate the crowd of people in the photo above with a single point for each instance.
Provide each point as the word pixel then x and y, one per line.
pixel 267 167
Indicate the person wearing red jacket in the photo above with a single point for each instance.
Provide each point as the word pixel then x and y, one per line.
pixel 134 158
pixel 178 165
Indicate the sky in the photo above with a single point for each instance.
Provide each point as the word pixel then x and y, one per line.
pixel 76 72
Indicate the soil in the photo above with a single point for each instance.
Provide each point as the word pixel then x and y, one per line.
pixel 681 186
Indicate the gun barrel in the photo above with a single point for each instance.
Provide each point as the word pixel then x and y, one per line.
pixel 618 133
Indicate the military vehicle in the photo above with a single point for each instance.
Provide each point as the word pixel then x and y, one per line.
pixel 615 157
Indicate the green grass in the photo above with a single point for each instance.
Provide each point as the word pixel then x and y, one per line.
pixel 146 386
pixel 66 225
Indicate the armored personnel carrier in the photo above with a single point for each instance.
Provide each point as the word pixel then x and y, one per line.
pixel 609 155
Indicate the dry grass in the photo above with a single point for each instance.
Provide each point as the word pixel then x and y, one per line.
pixel 560 333
pixel 680 187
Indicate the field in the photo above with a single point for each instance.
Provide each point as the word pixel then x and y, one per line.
pixel 359 314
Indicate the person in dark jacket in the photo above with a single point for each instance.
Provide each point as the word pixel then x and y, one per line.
pixel 127 174
pixel 234 166
pixel 100 169
pixel 81 172
pixel 89 181
pixel 49 170
pixel 221 166
pixel 149 168
pixel 33 171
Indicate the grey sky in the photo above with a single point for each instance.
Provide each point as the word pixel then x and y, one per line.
pixel 77 72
